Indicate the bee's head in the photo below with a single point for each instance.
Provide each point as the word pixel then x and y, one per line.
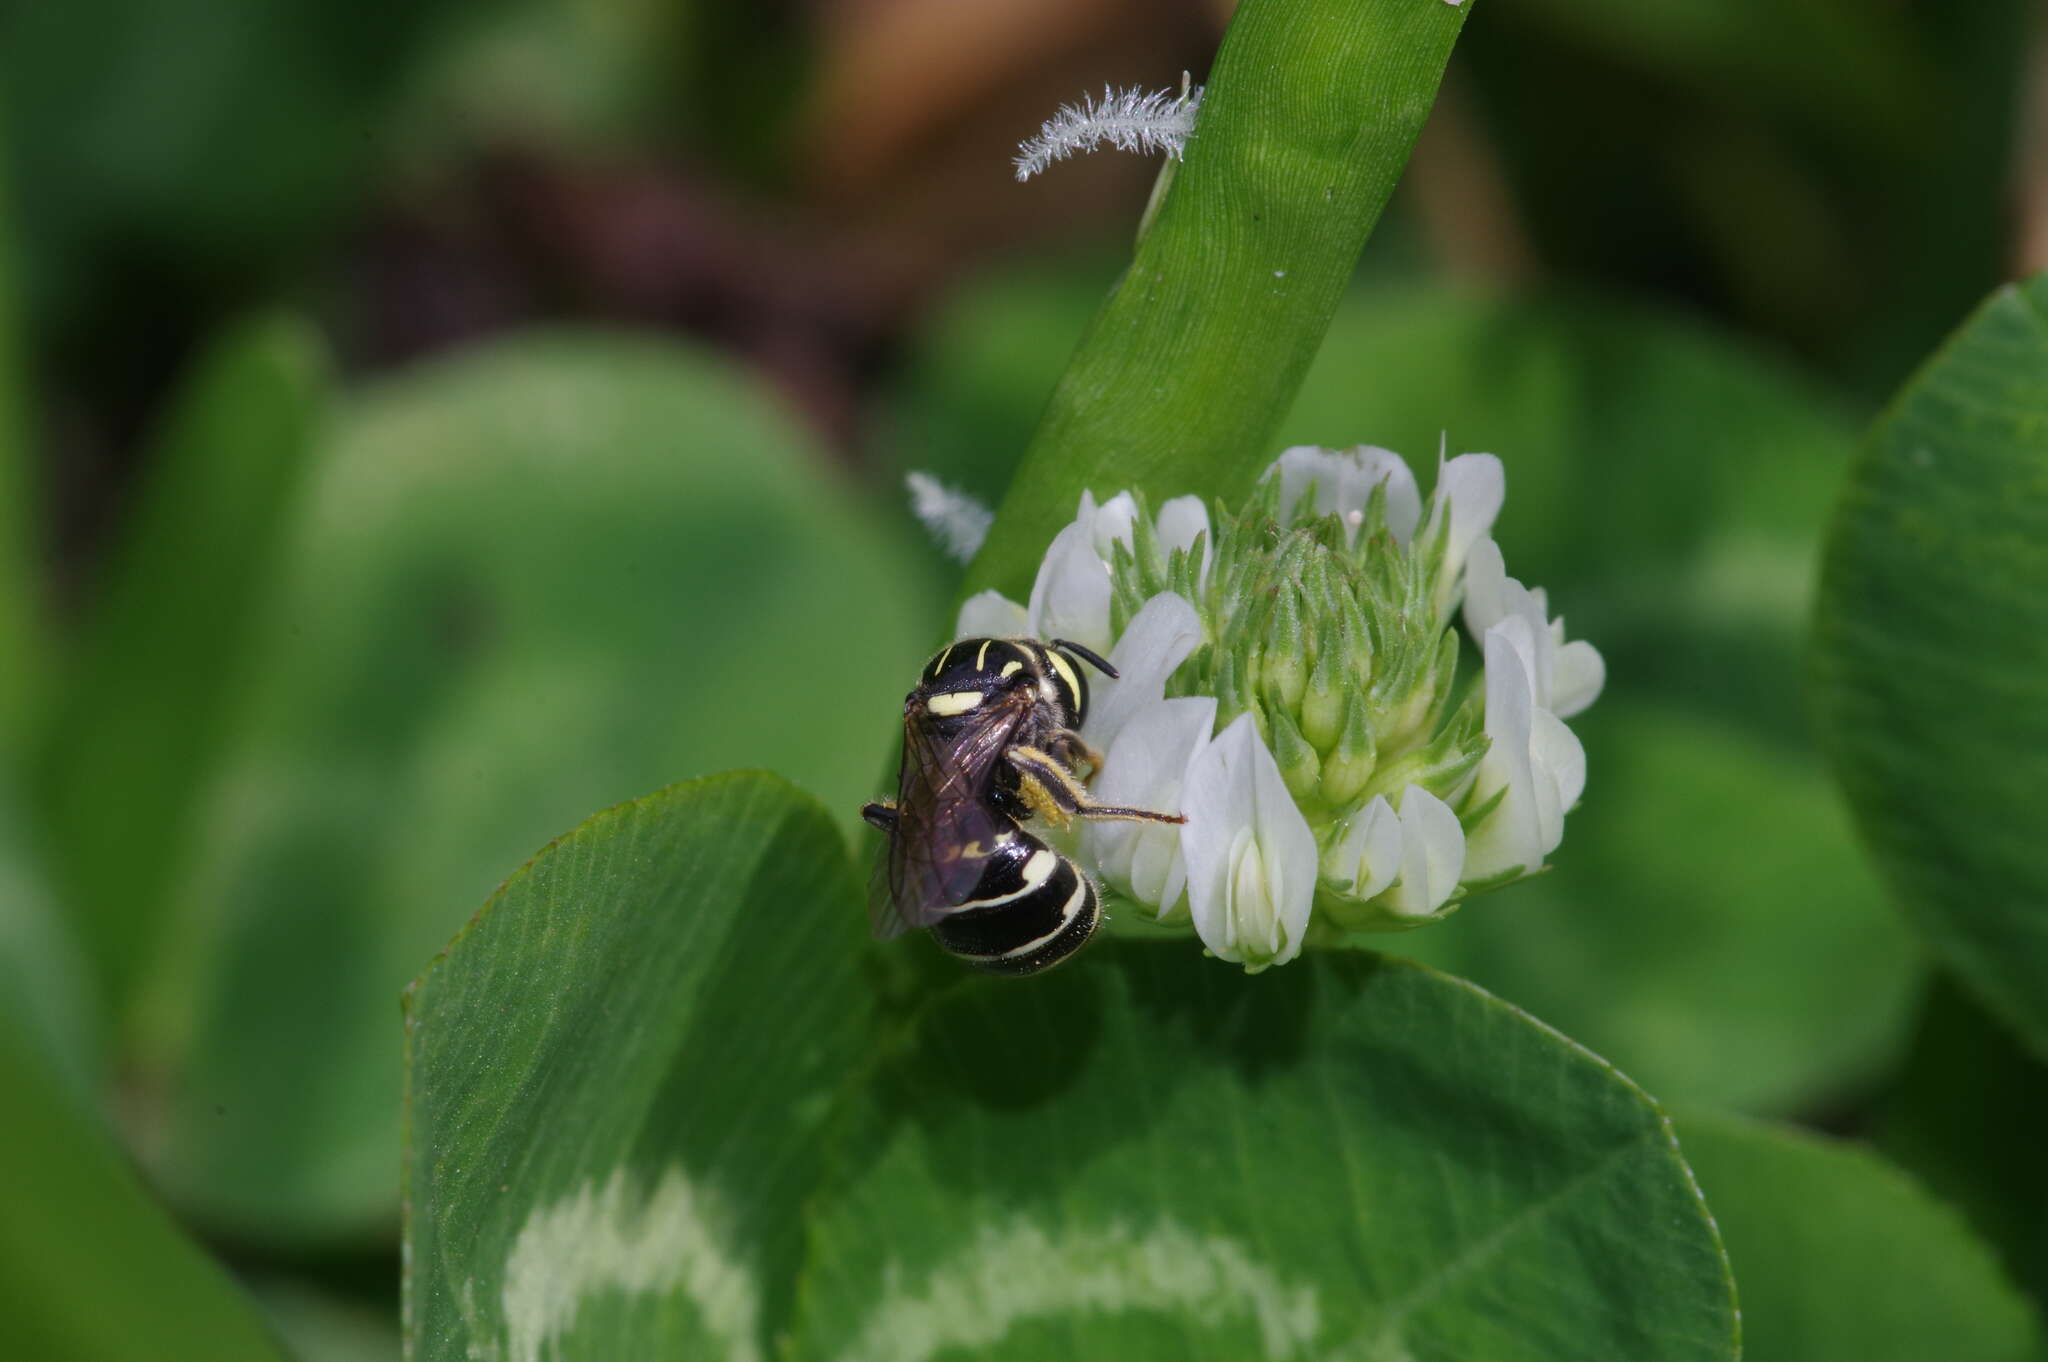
pixel 968 674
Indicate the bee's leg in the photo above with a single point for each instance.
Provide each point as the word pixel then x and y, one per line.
pixel 1051 790
pixel 1068 748
pixel 881 813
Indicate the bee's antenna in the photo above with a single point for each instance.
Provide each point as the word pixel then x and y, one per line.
pixel 1086 655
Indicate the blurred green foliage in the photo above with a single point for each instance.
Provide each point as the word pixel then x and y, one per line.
pixel 302 649
pixel 92 1268
pixel 520 586
pixel 1931 645
pixel 1966 1117
pixel 1826 172
pixel 21 640
pixel 157 677
pixel 1841 1256
pixel 197 152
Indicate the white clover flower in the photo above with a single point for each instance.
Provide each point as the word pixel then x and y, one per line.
pixel 1290 684
pixel 1251 856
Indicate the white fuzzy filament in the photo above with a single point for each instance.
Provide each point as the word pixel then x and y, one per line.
pixel 1128 120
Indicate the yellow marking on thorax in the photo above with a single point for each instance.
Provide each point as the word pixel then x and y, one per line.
pixel 956 702
pixel 1012 668
pixel 981 657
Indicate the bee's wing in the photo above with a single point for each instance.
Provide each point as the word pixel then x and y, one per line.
pixel 945 831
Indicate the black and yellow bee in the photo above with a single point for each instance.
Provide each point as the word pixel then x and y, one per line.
pixel 990 742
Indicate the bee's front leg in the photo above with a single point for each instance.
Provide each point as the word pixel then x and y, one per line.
pixel 1069 749
pixel 881 814
pixel 1053 792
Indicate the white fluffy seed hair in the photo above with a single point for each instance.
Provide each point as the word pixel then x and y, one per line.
pixel 957 521
pixel 1128 120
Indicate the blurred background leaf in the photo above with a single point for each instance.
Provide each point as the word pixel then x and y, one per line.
pixel 22 648
pixel 1967 1115
pixel 1825 171
pixel 46 998
pixel 1144 1155
pixel 193 153
pixel 1842 1256
pixel 92 1269
pixel 157 679
pixel 523 584
pixel 625 1171
pixel 1931 652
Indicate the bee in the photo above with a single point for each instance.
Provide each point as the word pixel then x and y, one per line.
pixel 990 742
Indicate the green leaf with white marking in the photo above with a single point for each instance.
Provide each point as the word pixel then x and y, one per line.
pixel 1310 112
pixel 1145 1154
pixel 647 1119
pixel 1843 1258
pixel 1931 652
pixel 525 582
pixel 618 1076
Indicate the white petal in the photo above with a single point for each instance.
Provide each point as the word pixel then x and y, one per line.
pixel 1070 599
pixel 1159 638
pixel 1305 465
pixel 1579 676
pixel 1469 490
pixel 990 614
pixel 1556 755
pixel 1217 799
pixel 1404 502
pixel 1432 854
pixel 1509 837
pixel 1515 632
pixel 1288 846
pixel 1145 768
pixel 1110 523
pixel 1486 584
pixel 1473 486
pixel 1251 857
pixel 1369 852
pixel 1181 521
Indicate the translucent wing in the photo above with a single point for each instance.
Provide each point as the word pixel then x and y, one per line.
pixel 945 830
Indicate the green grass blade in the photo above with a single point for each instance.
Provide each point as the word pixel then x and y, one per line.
pixel 1310 113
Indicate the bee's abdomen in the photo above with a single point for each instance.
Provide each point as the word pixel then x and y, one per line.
pixel 1032 909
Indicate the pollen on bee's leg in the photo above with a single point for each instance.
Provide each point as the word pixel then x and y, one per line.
pixel 1041 801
